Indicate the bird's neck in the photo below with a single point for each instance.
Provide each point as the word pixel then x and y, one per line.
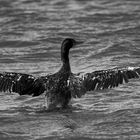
pixel 66 67
pixel 65 56
pixel 65 61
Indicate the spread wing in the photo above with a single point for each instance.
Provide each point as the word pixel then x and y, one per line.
pixel 99 80
pixel 21 83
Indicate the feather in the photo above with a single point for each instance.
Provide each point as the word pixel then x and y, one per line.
pixel 21 83
pixel 104 79
pixel 76 86
pixel 63 85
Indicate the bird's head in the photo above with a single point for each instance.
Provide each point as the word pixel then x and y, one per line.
pixel 67 44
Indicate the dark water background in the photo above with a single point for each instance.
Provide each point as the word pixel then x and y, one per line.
pixel 31 32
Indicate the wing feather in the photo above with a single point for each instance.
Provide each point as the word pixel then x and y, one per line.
pixel 76 86
pixel 21 83
pixel 113 77
pixel 103 79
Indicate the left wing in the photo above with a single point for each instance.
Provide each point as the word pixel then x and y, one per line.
pixel 103 79
pixel 21 84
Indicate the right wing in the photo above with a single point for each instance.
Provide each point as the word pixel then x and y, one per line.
pixel 100 80
pixel 21 84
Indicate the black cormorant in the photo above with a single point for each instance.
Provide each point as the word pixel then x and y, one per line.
pixel 61 86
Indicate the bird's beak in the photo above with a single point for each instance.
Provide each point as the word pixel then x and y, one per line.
pixel 78 42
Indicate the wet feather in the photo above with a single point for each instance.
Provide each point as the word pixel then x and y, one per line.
pixel 63 85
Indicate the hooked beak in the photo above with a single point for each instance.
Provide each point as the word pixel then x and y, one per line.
pixel 78 43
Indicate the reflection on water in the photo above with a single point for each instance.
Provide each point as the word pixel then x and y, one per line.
pixel 30 36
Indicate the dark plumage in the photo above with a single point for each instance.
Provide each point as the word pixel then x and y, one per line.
pixel 63 85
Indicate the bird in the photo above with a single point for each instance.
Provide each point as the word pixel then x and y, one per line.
pixel 63 85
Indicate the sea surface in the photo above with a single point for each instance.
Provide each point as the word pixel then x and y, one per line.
pixel 31 32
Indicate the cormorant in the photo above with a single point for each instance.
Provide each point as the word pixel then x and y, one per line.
pixel 61 86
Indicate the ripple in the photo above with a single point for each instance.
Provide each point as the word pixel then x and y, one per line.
pixel 30 38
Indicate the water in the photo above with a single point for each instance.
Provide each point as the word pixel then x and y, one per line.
pixel 30 36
